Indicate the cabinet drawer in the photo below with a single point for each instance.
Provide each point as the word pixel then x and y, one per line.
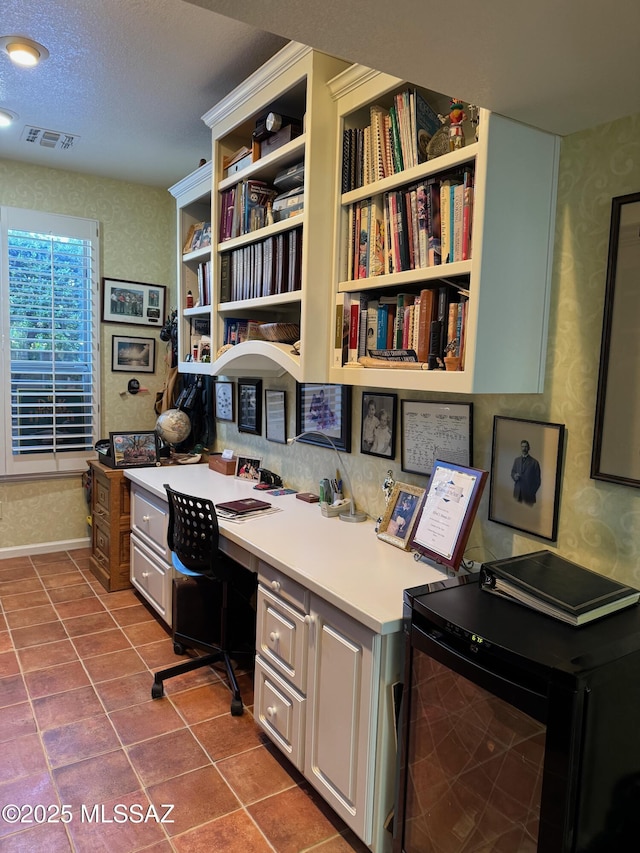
pixel 152 577
pixel 282 636
pixel 150 520
pixel 280 710
pixel 281 585
pixel 102 494
pixel 101 541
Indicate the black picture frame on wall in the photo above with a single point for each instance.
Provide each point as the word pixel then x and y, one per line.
pixel 275 406
pixel 378 424
pixel 133 302
pixel 615 456
pixel 324 410
pixel 250 406
pixel 525 494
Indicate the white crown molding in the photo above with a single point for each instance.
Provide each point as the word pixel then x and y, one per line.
pixel 278 64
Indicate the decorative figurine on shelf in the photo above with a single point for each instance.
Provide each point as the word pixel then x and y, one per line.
pixel 387 488
pixel 456 132
pixel 474 118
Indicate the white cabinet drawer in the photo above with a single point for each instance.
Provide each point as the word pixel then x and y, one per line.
pixel 152 577
pixel 281 585
pixel 150 520
pixel 280 711
pixel 282 636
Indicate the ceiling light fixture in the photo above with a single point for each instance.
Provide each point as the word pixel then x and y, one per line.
pixel 23 51
pixel 7 118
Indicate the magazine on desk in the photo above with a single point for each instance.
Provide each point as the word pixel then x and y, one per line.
pixel 548 583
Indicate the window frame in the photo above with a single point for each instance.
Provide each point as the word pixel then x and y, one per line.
pixel 43 465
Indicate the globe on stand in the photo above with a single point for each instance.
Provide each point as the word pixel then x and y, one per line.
pixel 173 427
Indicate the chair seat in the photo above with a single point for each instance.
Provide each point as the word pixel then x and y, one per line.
pixel 179 566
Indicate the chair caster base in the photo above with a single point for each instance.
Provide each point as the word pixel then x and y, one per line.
pixel 157 691
pixel 178 649
pixel 237 708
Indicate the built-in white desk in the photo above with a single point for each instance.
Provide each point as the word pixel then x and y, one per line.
pixel 329 635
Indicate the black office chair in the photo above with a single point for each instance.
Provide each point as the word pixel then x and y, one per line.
pixel 193 537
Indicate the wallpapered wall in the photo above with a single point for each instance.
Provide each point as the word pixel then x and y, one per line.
pixel 137 238
pixel 599 523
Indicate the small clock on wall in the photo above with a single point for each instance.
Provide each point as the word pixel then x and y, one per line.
pixel 224 401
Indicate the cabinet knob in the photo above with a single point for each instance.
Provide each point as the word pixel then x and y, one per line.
pixel 145 574
pixel 271 712
pixel 308 619
pixel 275 586
pixel 274 637
pixel 146 517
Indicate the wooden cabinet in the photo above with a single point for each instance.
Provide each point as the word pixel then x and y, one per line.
pixel 293 84
pixel 506 280
pixel 193 206
pixel 323 694
pixel 110 511
pixel 151 570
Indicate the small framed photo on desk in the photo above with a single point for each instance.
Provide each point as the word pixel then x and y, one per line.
pixel 248 468
pixel 134 449
pixel 399 519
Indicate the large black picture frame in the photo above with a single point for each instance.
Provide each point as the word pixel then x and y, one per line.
pixel 324 410
pixel 528 498
pixel 615 456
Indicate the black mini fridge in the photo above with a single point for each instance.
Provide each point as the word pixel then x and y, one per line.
pixel 518 733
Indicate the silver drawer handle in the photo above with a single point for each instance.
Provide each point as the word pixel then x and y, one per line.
pixel 271 712
pixel 274 637
pixel 275 586
pixel 146 518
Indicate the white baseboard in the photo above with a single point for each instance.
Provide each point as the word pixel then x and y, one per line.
pixel 44 548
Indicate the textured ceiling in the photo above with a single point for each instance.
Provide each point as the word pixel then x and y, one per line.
pixel 132 78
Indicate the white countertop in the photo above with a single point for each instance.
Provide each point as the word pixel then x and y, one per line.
pixel 346 564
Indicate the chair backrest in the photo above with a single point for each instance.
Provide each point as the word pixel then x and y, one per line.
pixel 193 534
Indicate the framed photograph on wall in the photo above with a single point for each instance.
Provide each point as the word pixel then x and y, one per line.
pixel 435 430
pixel 224 400
pixel 400 516
pixel 526 462
pixel 615 456
pixel 250 406
pixel 324 410
pixel 133 302
pixel 133 354
pixel 275 405
pixel 378 431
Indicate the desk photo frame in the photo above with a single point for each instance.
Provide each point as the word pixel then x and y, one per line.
pixel 447 513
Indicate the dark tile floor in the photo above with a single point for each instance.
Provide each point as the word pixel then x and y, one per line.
pixel 79 730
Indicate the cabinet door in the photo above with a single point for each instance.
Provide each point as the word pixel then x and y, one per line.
pixel 340 743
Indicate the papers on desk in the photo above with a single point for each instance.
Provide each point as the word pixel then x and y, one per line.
pixel 247 516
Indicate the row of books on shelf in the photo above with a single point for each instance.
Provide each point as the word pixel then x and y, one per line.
pixel 431 323
pixel 264 268
pixel 414 227
pixel 396 139
pixel 204 282
pixel 236 330
pixel 243 208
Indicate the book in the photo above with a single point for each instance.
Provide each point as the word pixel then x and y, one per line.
pixel 427 124
pixel 550 584
pixel 337 330
pixel 243 505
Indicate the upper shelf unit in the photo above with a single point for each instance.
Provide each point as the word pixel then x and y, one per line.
pixel 272 218
pixel 499 284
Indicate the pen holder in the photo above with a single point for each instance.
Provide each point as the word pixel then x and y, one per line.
pixel 331 511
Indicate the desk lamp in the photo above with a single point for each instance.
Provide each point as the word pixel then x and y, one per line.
pixel 352 514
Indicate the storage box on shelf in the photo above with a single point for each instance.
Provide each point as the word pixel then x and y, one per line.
pixel 275 268
pixel 193 203
pixel 496 273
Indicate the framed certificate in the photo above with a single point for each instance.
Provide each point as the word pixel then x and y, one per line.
pixel 448 510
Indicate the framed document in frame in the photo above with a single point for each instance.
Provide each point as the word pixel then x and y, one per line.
pixel 435 430
pixel 448 510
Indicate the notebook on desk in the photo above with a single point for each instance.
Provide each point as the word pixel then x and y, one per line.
pixel 243 505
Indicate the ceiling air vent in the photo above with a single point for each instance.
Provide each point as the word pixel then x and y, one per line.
pixel 49 138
